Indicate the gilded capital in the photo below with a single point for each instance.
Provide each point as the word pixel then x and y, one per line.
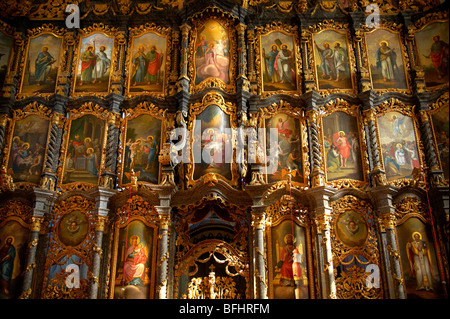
pixel 36 223
pixel 164 220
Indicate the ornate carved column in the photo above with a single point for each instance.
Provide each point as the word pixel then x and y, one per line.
pixel 163 251
pixel 43 204
pixel 182 94
pixel 49 177
pixel 377 175
pixel 312 115
pixel 102 196
pixel 322 218
pixel 108 176
pixel 391 255
pixel 242 82
pixel 258 224
pixel 435 174
pixel 3 131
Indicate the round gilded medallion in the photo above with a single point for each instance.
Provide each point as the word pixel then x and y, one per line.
pixel 73 228
pixel 351 228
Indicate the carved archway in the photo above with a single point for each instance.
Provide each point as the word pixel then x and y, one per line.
pixel 211 251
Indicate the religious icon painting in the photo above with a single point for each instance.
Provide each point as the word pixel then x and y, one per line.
pixel 213 50
pixel 398 145
pixel 6 45
pixel 28 143
pixel 333 60
pixel 134 260
pixel 147 61
pixel 141 145
pixel 14 236
pixel 41 64
pixel 342 147
pixel 84 140
pixel 351 228
pixel 441 134
pixel 214 141
pixel 418 259
pixel 94 64
pixel 73 228
pixel 285 151
pixel 432 43
pixel 387 60
pixel 279 56
pixel 289 262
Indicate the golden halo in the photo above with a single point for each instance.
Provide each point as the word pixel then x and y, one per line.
pixel 398 144
pixel 89 150
pixel 13 239
pixel 150 137
pixel 87 139
pixel 26 145
pixel 274 45
pixel 137 237
pixel 102 46
pixel 326 43
pixel 414 234
pixel 341 132
pixel 381 43
pixel 89 47
pixel 287 46
pixel 335 42
pixel 45 46
pixel 287 237
pixel 141 47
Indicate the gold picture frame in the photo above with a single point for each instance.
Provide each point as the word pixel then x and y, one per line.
pixel 85 34
pixel 394 105
pixel 19 114
pixel 229 109
pixel 150 219
pixel 441 103
pixel 420 25
pixel 286 108
pixel 142 31
pixel 99 113
pixel 340 105
pixel 45 29
pixel 277 214
pixel 226 25
pixel 393 30
pixel 285 31
pixel 143 108
pixel 342 29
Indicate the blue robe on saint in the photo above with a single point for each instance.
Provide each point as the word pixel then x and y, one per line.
pixel 40 65
pixel 140 62
pixel 7 266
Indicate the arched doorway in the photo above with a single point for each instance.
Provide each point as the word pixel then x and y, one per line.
pixel 211 252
